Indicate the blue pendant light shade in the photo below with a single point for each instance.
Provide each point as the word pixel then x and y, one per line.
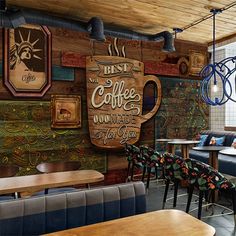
pixel 217 74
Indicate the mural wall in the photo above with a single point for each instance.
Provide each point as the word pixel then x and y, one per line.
pixel 182 113
pixel 26 136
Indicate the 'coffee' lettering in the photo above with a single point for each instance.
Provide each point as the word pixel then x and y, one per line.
pixel 118 97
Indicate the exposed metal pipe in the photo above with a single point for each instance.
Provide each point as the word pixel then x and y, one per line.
pixel 39 18
pixel 129 34
pixel 95 26
pixel 13 19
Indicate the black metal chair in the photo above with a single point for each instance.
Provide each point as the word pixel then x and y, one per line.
pixel 134 159
pixel 206 179
pixel 151 160
pixel 175 170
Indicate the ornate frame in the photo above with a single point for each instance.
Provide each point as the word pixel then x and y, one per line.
pixel 197 60
pixel 66 111
pixel 27 60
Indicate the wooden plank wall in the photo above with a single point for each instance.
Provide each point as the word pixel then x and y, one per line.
pixel 64 41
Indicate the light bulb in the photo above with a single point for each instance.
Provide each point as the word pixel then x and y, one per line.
pixel 215 88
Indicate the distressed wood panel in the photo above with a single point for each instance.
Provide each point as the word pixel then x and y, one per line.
pixel 161 68
pixel 63 73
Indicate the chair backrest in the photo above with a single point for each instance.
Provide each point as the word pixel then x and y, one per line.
pixel 8 170
pixel 175 167
pixel 150 157
pixel 206 177
pixel 49 167
pixel 132 152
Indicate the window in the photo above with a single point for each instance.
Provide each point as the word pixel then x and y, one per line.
pixel 230 106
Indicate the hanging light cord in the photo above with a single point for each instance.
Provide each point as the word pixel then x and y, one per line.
pixel 208 16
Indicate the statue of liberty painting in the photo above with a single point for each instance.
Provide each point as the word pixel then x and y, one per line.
pixel 29 56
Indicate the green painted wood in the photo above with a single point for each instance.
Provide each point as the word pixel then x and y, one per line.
pixel 63 73
pixel 26 139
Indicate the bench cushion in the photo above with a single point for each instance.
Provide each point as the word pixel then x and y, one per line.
pixel 54 212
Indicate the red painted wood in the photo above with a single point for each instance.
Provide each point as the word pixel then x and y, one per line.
pixel 161 68
pixel 72 59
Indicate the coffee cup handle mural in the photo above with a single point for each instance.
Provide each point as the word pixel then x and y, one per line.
pixel 146 79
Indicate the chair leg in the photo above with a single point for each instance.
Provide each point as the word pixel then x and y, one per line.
pixel 201 193
pixel 132 171
pixel 144 172
pixel 128 170
pixel 190 194
pixel 207 196
pixel 17 195
pixel 156 173
pixel 148 176
pixel 176 184
pixel 165 193
pixel 234 204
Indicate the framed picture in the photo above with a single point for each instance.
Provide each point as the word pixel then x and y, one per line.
pixel 66 111
pixel 27 60
pixel 183 65
pixel 197 60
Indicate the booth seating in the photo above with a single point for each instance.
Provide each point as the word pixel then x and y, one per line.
pixel 227 164
pixel 54 212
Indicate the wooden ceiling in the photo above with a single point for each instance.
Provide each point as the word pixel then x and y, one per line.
pixel 145 16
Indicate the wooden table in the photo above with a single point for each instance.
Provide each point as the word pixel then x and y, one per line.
pixel 228 151
pixel 185 144
pixel 166 140
pixel 33 183
pixel 213 154
pixel 163 223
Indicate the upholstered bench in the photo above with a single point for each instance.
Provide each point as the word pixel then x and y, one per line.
pixel 227 164
pixel 54 212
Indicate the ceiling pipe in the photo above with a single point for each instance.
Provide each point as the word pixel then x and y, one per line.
pixel 95 26
pixel 13 19
pixel 129 34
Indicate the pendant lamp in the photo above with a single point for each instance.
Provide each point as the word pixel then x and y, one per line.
pixel 216 88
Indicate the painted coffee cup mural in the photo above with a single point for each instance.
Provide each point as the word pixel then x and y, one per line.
pixel 115 100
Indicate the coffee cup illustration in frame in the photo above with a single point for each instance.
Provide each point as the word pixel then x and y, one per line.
pixel 27 58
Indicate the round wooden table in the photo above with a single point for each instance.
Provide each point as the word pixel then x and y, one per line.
pixel 213 154
pixel 228 151
pixel 184 146
pixel 166 140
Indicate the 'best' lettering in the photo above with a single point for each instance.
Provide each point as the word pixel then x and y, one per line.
pixel 115 69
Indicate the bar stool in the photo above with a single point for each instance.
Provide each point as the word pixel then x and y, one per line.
pixel 134 159
pixel 151 159
pixel 175 170
pixel 205 179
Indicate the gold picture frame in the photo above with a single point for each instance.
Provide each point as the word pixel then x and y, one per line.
pixel 27 60
pixel 66 111
pixel 197 60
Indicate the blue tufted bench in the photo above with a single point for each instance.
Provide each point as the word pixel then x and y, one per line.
pixel 227 164
pixel 54 212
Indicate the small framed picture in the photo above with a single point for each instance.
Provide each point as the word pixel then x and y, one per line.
pixel 66 111
pixel 27 60
pixel 197 60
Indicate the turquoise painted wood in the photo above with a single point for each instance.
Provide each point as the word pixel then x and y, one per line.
pixel 63 73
